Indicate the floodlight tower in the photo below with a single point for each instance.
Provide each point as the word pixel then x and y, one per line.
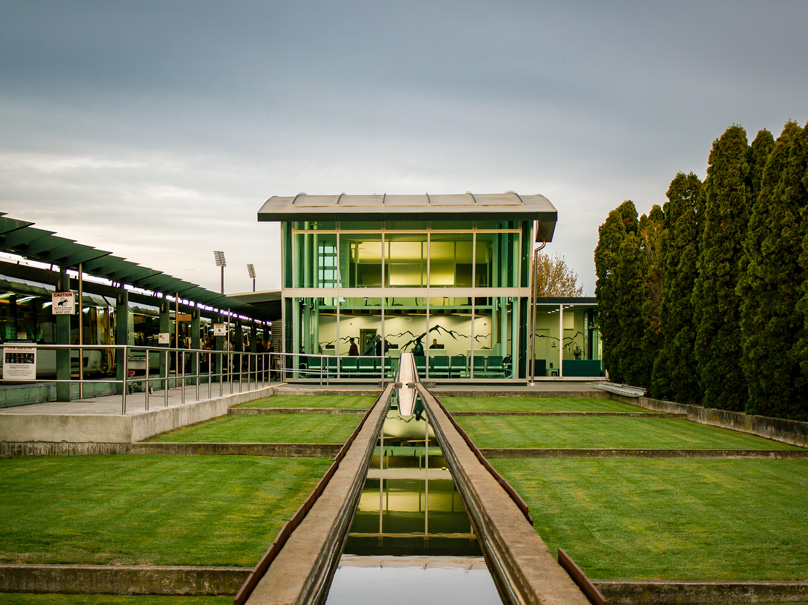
pixel 251 273
pixel 218 256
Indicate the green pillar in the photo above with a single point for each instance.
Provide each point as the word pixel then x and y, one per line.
pixel 238 338
pixel 165 328
pixel 195 339
pixel 122 333
pixel 254 338
pixel 218 344
pixel 63 338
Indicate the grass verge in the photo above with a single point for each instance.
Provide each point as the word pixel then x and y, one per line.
pixel 272 428
pixel 148 510
pixel 671 519
pixel 608 431
pixel 526 404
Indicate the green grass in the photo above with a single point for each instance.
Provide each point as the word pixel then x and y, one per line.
pixel 269 428
pixel 671 519
pixel 59 599
pixel 148 510
pixel 349 402
pixel 526 404
pixel 605 432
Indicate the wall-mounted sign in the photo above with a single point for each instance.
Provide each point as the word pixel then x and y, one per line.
pixel 63 303
pixel 19 363
pixel 164 338
pixel 220 329
pixel 184 317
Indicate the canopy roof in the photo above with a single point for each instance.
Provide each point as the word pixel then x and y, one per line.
pixel 20 237
pixel 474 206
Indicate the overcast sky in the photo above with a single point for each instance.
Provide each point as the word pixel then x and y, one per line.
pixel 157 129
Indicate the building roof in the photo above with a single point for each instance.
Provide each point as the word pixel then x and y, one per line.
pixel 474 206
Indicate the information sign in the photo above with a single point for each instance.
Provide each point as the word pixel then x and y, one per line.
pixel 19 363
pixel 164 338
pixel 63 303
pixel 220 329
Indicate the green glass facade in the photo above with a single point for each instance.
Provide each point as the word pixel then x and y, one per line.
pixel 457 289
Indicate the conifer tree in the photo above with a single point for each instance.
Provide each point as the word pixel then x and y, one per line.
pixel 652 242
pixel 611 234
pixel 717 307
pixel 770 322
pixel 630 360
pixel 674 377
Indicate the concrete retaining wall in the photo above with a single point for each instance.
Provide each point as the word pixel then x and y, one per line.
pixel 792 432
pixel 41 392
pixel 127 580
pixel 290 450
pixel 97 428
pixel 525 452
pixel 692 593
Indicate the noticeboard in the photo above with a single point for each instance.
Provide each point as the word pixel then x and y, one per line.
pixel 19 363
pixel 63 303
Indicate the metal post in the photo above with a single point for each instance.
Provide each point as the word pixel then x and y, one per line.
pixel 426 478
pixel 196 366
pixel 165 392
pixel 182 375
pixel 125 382
pixel 148 385
pixel 81 335
pixel 210 368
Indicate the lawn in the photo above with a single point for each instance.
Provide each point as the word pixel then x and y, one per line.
pixel 350 402
pixel 606 432
pixel 671 519
pixel 59 599
pixel 536 404
pixel 268 428
pixel 148 510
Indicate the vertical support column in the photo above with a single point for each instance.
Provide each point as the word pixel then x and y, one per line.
pixel 165 328
pixel 218 345
pixel 62 338
pixel 121 336
pixel 560 341
pixel 196 342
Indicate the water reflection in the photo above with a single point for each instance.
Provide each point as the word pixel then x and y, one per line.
pixel 411 538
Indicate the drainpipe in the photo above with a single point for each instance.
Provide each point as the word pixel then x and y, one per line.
pixel 533 292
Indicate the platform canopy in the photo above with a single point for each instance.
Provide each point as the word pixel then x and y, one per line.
pixel 22 238
pixel 466 206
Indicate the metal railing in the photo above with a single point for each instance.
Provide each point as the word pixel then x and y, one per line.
pixel 161 367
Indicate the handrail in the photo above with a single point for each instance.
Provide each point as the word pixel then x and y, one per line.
pixel 578 576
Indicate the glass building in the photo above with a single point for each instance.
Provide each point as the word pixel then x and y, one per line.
pixel 446 274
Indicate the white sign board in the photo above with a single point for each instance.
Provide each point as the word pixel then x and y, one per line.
pixel 19 363
pixel 63 303
pixel 164 338
pixel 220 329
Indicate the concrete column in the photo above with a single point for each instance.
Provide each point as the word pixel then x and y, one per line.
pixel 196 341
pixel 238 338
pixel 63 338
pixel 218 344
pixel 254 338
pixel 121 333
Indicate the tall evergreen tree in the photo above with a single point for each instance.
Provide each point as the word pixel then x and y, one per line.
pixel 674 377
pixel 630 273
pixel 652 241
pixel 717 307
pixel 611 234
pixel 770 322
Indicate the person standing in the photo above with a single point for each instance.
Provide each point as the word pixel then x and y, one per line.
pixel 353 350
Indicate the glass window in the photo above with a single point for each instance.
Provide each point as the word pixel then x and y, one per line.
pixel 494 338
pixel 444 225
pixel 406 225
pixel 497 260
pixel 360 260
pixel 405 330
pixel 360 225
pixel 315 225
pixel 405 259
pixel 315 260
pixel 451 260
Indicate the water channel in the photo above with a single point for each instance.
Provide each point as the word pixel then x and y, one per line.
pixel 411 539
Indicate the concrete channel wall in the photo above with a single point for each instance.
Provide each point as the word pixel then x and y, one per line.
pixel 519 560
pixel 303 568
